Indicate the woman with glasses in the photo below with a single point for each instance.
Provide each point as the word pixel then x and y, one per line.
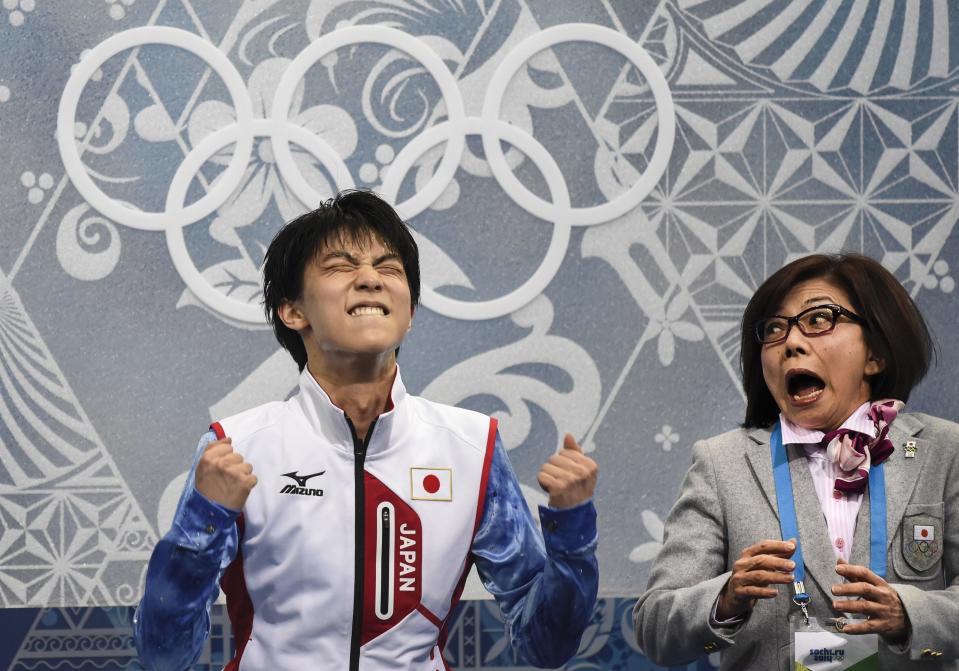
pixel 824 533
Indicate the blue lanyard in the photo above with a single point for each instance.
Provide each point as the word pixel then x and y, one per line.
pixel 789 527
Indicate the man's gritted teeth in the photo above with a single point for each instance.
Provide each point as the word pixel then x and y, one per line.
pixel 368 310
pixel 803 386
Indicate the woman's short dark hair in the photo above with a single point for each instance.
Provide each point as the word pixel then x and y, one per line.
pixel 351 216
pixel 894 329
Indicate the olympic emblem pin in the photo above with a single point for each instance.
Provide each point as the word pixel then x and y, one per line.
pixel 924 548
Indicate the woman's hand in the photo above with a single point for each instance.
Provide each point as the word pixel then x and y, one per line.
pixel 876 600
pixel 759 566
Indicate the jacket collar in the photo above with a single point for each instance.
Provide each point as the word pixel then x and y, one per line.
pixel 330 422
pixel 901 476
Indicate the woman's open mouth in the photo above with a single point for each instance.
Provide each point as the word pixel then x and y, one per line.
pixel 803 386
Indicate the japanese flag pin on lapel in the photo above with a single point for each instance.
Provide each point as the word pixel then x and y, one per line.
pixel 911 448
pixel 431 484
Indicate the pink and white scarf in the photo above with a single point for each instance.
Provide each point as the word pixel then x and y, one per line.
pixel 855 453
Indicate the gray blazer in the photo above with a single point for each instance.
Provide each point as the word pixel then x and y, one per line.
pixel 728 502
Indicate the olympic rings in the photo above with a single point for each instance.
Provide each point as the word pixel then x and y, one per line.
pixel 490 309
pixel 928 548
pixel 66 118
pixel 666 133
pixel 452 131
pixel 216 300
pixel 398 40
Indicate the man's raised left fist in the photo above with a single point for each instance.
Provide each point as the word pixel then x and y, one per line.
pixel 569 477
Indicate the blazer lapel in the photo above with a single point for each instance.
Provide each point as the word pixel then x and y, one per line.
pixel 818 555
pixel 902 473
pixel 814 538
pixel 862 535
pixel 901 476
pixel 760 461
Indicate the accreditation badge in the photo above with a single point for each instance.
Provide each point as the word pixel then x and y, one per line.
pixel 818 648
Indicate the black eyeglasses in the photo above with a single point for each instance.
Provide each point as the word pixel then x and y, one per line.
pixel 814 321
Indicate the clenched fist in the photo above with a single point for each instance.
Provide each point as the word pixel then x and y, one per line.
pixel 569 476
pixel 222 476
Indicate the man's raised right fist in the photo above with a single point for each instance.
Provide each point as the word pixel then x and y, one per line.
pixel 222 476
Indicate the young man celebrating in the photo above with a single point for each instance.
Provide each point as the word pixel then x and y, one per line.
pixel 341 523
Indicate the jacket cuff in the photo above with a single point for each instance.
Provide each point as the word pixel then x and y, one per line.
pixel 569 530
pixel 202 524
pixel 724 631
pixel 726 627
pixel 918 645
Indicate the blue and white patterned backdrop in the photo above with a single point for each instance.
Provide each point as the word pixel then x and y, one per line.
pixel 597 187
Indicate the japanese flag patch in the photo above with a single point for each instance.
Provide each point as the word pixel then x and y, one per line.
pixel 431 484
pixel 923 532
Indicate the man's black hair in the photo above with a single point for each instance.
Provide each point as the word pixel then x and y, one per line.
pixel 352 216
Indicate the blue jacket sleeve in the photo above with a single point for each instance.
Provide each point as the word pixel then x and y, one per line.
pixel 547 590
pixel 172 621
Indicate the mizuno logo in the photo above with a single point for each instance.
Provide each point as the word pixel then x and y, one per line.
pixel 300 486
pixel 301 480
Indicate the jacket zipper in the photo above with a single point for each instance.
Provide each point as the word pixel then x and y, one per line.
pixel 359 536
